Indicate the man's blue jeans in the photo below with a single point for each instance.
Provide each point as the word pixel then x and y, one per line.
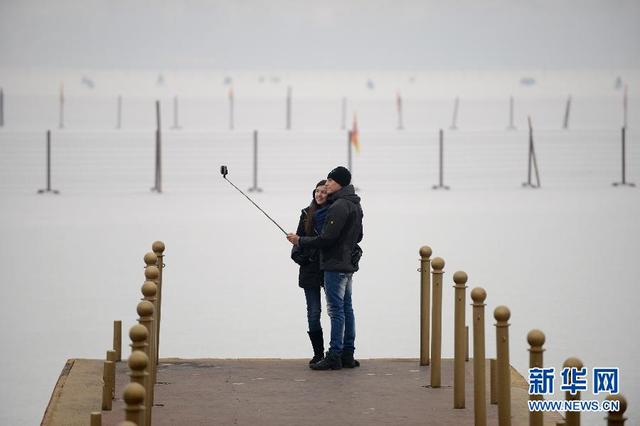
pixel 337 287
pixel 313 308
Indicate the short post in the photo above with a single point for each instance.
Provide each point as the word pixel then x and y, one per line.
pixel 460 278
pixel 536 339
pixel 617 418
pixel 117 339
pixel 157 187
pixel 139 337
pixel 96 418
pixel 572 418
pixel 502 315
pixel 61 110
pixel 511 125
pixel 478 295
pixel 425 303
pixel 255 164
pixel 289 108
pixel 119 113
pixel 134 396
pixel 399 107
pixel 493 376
pixel 436 322
pixel 567 111
pixel 176 125
pixel 624 182
pixel 48 188
pixel 441 184
pixel 158 248
pixel 139 364
pixel 454 120
pixel 111 356
pixel 1 107
pixel 343 126
pixel 107 369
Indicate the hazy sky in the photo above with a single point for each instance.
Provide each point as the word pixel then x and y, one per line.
pixel 302 34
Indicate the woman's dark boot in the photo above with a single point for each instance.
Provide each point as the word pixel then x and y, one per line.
pixel 331 362
pixel 317 341
pixel 348 361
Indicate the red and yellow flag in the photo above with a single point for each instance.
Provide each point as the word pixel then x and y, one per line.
pixel 355 139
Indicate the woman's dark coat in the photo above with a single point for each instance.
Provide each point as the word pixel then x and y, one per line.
pixel 310 275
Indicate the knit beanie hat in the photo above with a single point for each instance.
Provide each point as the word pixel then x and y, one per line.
pixel 340 174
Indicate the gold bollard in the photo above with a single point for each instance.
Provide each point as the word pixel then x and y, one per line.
pixel 149 289
pixel 436 322
pixel 134 396
pixel 502 315
pixel 460 278
pixel 158 249
pixel 478 295
pixel 536 339
pixel 425 303
pixel 466 343
pixel 139 336
pixel 145 311
pixel 493 391
pixel 117 339
pixel 617 418
pixel 96 418
pixel 152 273
pixel 108 371
pixel 572 418
pixel 138 364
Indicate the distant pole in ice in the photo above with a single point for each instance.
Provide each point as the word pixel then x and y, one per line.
pixel 624 107
pixel 61 112
pixel 349 153
pixel 231 108
pixel 624 182
pixel 289 108
pixel 255 164
pixel 567 111
pixel 1 107
pixel 441 184
pixel 454 121
pixel 48 188
pixel 511 126
pixel 531 161
pixel 399 108
pixel 157 187
pixel 176 125
pixel 119 113
pixel 344 114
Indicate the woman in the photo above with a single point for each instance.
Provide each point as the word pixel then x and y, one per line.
pixel 311 277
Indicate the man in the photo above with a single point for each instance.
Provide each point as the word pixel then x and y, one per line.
pixel 339 256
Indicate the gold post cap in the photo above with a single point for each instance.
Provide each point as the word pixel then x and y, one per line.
pixel 425 252
pixel 502 313
pixel 573 362
pixel 437 264
pixel 157 247
pixel 460 277
pixel 623 402
pixel 133 394
pixel 145 309
pixel 149 289
pixel 536 338
pixel 150 258
pixel 138 361
pixel 138 333
pixel 151 272
pixel 478 294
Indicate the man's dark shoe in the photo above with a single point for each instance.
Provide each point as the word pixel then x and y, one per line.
pixel 317 341
pixel 348 361
pixel 331 361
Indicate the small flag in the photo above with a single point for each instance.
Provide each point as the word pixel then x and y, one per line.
pixel 355 139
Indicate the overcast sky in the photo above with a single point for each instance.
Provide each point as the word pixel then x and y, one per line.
pixel 327 34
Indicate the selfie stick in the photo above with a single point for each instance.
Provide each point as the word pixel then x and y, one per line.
pixel 224 171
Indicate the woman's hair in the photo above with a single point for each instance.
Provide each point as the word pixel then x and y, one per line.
pixel 313 207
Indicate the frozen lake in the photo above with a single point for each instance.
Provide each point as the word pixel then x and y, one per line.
pixel 563 258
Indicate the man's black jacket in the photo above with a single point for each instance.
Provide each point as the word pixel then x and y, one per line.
pixel 341 233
